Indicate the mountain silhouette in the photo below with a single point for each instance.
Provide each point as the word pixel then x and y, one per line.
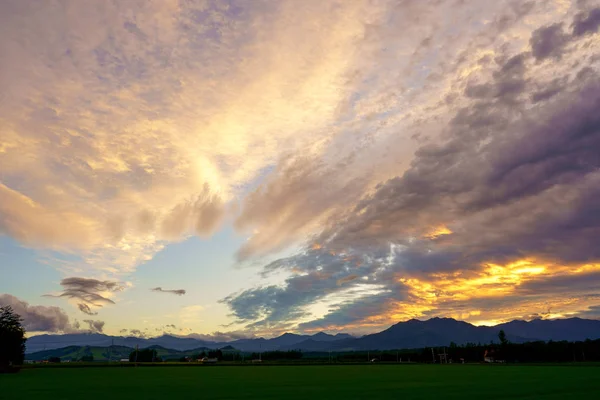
pixel 403 335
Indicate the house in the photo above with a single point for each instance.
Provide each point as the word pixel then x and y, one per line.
pixel 207 360
pixel 488 356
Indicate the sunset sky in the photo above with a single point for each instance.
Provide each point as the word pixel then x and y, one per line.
pixel 247 168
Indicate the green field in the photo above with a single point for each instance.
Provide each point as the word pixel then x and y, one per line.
pixel 306 382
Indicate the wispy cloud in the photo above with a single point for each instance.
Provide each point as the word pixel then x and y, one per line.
pixel 178 292
pixel 88 292
pixel 151 141
pixel 84 308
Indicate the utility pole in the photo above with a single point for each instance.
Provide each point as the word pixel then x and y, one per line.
pixel 137 349
pixel 433 355
pixel 112 343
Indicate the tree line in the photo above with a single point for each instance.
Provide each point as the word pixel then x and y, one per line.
pixel 501 351
pixel 278 355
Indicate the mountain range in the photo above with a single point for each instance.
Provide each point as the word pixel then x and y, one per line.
pixel 403 335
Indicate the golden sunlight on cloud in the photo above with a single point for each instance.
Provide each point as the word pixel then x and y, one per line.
pixel 437 232
pixel 449 294
pixel 107 155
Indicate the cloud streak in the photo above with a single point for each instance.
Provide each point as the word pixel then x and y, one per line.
pixel 178 292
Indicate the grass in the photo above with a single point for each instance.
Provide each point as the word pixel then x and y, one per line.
pixel 306 382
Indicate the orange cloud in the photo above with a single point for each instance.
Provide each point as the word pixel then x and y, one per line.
pixel 478 292
pixel 437 232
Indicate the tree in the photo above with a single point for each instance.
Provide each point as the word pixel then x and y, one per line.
pixel 12 339
pixel 145 355
pixel 87 358
pixel 54 360
pixel 502 338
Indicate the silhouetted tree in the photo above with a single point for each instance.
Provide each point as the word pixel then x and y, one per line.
pixel 87 358
pixel 12 339
pixel 218 354
pixel 502 338
pixel 54 359
pixel 144 355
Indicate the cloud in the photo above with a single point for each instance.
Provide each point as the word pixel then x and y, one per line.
pixel 84 308
pixel 548 41
pixel 178 292
pixel 592 312
pixel 38 318
pixel 128 134
pixel 95 326
pixel 586 23
pixel 221 336
pixel 138 333
pixel 511 176
pixel 351 131
pixel 89 292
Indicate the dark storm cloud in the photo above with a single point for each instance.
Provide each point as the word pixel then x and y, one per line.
pixel 586 23
pixel 88 291
pixel 84 308
pixel 548 41
pixel 178 292
pixel 95 326
pixel 38 318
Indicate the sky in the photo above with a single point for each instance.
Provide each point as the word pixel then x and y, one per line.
pixel 229 169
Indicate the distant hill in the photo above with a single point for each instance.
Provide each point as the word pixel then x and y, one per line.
pixel 571 329
pixel 410 334
pixel 287 340
pixel 73 353
pixel 433 332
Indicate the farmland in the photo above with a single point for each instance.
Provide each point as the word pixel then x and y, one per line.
pixel 300 382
